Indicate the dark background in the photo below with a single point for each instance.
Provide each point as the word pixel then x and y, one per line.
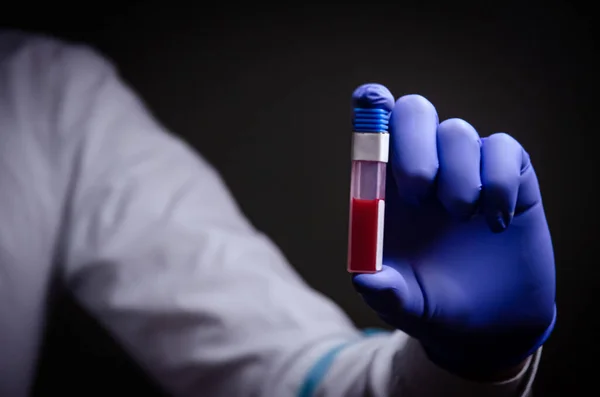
pixel 250 86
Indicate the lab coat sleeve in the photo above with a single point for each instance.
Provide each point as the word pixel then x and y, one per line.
pixel 157 250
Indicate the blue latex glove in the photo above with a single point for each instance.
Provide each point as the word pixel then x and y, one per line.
pixel 468 261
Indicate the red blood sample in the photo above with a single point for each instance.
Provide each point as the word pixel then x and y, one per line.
pixel 366 233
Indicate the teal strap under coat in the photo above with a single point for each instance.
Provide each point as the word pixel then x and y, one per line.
pixel 315 376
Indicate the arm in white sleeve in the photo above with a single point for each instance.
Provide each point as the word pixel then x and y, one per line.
pixel 157 250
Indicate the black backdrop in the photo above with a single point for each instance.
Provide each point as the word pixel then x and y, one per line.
pixel 249 86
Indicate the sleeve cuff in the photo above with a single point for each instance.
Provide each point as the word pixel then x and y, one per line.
pixel 414 374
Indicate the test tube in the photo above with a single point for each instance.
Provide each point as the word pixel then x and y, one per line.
pixel 370 152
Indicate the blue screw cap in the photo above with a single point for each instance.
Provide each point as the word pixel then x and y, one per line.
pixel 372 105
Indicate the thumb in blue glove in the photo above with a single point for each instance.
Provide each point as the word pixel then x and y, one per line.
pixel 468 260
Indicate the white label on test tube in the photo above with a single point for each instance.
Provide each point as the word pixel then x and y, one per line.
pixel 380 220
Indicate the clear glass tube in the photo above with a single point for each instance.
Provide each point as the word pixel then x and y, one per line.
pixel 368 180
pixel 367 206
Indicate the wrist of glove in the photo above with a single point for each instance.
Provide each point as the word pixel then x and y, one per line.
pixel 478 355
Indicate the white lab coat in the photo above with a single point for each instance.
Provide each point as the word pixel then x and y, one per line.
pixel 96 194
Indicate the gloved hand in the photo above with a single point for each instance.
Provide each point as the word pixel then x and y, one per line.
pixel 468 265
